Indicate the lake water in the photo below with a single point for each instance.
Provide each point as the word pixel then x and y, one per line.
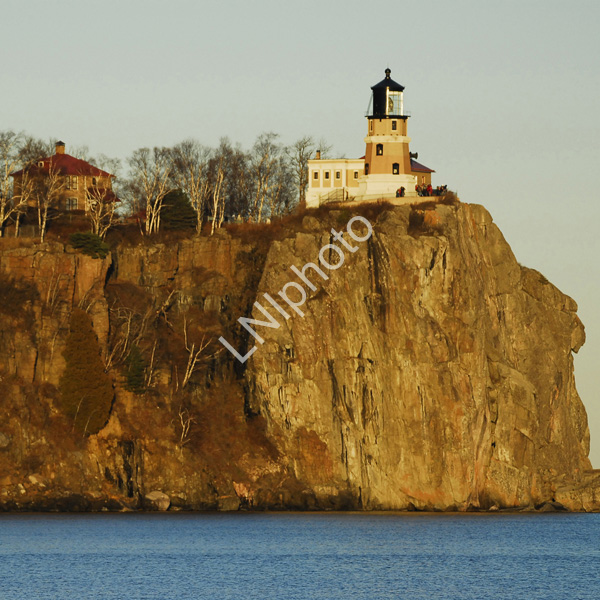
pixel 291 556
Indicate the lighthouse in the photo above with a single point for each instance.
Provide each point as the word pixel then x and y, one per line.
pixel 387 155
pixel 387 165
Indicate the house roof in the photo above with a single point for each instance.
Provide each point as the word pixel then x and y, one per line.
pixel 65 164
pixel 419 168
pixel 388 82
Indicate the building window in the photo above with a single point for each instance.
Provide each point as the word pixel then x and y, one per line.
pixel 326 174
pixel 315 174
pixel 379 150
pixel 395 169
pixel 71 182
pixel 93 181
pixel 71 203
pixel 394 125
pixel 355 174
pixel 366 168
pixel 371 126
pixel 338 174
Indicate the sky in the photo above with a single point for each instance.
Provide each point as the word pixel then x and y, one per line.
pixel 503 97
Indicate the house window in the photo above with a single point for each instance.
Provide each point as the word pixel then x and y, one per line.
pixel 315 174
pixel 355 174
pixel 394 125
pixel 338 174
pixel 366 168
pixel 71 204
pixel 93 181
pixel 71 182
pixel 379 150
pixel 395 169
pixel 326 174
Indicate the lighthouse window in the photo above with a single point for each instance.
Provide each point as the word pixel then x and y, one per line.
pixel 379 150
pixel 366 168
pixel 394 125
pixel 394 103
pixel 371 126
pixel 395 169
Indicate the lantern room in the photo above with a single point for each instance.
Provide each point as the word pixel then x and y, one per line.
pixel 387 99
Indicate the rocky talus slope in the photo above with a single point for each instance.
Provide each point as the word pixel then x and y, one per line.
pixel 430 371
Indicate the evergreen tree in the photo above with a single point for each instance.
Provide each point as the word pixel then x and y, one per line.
pixel 177 212
pixel 135 374
pixel 86 389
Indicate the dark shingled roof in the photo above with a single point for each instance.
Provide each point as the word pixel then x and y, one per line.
pixel 419 168
pixel 388 83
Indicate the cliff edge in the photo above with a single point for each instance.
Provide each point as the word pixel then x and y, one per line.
pixel 428 371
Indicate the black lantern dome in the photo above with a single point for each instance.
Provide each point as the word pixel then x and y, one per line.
pixel 388 99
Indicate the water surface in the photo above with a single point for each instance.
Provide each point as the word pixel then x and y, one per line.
pixel 275 556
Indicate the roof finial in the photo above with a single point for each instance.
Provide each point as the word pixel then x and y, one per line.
pixel 388 72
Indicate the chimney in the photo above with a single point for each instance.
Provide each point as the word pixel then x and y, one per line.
pixel 318 157
pixel 60 147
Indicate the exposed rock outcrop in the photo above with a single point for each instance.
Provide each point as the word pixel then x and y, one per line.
pixel 430 371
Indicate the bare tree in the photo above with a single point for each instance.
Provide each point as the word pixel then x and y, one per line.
pixel 265 153
pixel 280 193
pixel 300 152
pixel 218 199
pixel 150 182
pixel 10 205
pixel 47 188
pixel 324 148
pixel 190 175
pixel 101 209
pixel 24 194
pixel 194 352
pixel 32 149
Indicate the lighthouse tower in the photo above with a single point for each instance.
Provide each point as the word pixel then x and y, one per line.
pixel 387 156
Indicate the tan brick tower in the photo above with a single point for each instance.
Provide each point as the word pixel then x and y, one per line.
pixel 387 155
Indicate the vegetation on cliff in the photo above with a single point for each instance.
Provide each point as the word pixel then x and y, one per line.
pixel 86 390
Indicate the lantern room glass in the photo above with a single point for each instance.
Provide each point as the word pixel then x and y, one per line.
pixel 394 103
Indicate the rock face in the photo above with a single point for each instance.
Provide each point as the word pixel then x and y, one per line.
pixel 430 371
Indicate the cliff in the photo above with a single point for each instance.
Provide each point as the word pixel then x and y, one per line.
pixel 429 371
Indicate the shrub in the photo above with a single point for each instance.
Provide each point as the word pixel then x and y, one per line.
pixel 86 391
pixel 135 375
pixel 90 244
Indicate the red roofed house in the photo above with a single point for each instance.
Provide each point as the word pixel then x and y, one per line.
pixel 79 184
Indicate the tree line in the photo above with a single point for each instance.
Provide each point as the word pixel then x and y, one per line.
pixel 207 184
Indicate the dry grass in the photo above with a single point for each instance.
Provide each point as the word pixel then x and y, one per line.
pixel 10 243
